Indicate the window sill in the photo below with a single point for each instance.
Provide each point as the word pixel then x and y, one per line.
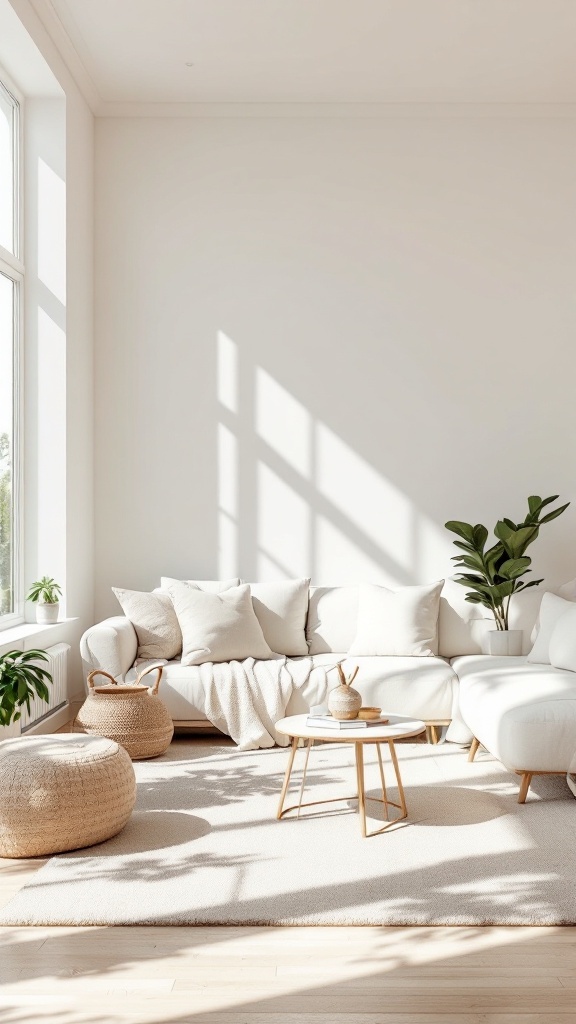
pixel 29 634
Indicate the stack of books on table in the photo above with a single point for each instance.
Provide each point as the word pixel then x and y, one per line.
pixel 328 722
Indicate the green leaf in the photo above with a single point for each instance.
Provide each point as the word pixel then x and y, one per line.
pixel 480 536
pixel 504 589
pixel 464 530
pixel 532 583
pixel 515 541
pixel 473 561
pixel 554 515
pixel 534 503
pixel 463 545
pixel 514 567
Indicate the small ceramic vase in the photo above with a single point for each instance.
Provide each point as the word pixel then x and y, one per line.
pixel 344 702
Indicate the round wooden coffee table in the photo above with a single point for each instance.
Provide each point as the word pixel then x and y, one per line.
pixel 399 727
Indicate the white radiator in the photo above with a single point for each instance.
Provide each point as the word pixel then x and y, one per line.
pixel 57 690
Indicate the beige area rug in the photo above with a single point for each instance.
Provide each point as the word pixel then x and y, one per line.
pixel 203 846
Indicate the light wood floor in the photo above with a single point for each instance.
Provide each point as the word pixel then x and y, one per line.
pixel 282 975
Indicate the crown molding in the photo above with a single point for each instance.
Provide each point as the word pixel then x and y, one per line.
pixel 68 51
pixel 337 110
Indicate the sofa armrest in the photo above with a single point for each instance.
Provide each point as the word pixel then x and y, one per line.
pixel 111 645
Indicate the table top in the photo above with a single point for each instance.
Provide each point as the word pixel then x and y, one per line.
pixel 399 727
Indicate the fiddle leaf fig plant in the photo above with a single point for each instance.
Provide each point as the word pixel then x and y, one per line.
pixel 21 678
pixel 495 574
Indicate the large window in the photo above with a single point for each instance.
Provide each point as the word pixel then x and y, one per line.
pixel 11 282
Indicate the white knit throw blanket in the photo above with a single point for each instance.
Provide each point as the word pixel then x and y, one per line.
pixel 245 699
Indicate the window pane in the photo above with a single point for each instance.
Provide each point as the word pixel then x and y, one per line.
pixel 6 445
pixel 7 183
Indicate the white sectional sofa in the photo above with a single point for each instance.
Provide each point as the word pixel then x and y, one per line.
pixel 524 713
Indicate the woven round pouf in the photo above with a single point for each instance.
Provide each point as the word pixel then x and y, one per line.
pixel 61 793
pixel 132 715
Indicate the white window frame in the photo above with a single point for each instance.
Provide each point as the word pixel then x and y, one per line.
pixel 12 267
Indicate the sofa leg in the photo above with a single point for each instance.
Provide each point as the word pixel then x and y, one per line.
pixel 431 734
pixel 473 749
pixel 524 787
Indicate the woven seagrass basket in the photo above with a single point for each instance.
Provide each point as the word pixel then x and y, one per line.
pixel 134 715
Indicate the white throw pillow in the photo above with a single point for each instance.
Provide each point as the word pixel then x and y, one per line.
pixel 563 641
pixel 154 620
pixel 281 609
pixel 210 586
pixel 551 611
pixel 218 627
pixel 332 619
pixel 403 623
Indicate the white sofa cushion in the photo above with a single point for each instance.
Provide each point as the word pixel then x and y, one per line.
pixel 154 620
pixel 551 611
pixel 210 586
pixel 523 713
pixel 401 623
pixel 332 619
pixel 562 648
pixel 218 627
pixel 425 688
pixel 281 609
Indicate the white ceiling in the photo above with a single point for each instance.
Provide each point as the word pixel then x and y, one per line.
pixel 319 51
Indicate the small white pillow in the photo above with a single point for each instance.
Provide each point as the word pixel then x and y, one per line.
pixel 403 623
pixel 210 586
pixel 218 627
pixel 563 641
pixel 281 609
pixel 551 611
pixel 154 620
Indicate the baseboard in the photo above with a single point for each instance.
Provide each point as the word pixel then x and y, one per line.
pixel 51 723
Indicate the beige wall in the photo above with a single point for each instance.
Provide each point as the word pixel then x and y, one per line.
pixel 394 307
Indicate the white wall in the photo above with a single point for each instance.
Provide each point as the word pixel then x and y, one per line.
pixel 393 305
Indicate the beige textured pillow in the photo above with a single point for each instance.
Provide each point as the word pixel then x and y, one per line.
pixel 218 627
pixel 401 622
pixel 154 620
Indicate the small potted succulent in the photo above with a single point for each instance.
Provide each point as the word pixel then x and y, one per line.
pixel 21 678
pixel 495 574
pixel 44 593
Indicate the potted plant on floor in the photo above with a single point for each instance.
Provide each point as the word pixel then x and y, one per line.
pixel 44 593
pixel 21 678
pixel 493 576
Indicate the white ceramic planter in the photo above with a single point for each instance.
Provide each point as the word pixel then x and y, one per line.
pixel 502 642
pixel 46 614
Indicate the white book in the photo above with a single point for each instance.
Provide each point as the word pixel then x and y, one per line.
pixel 334 723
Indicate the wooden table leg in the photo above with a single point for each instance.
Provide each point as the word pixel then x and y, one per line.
pixel 287 776
pixel 361 793
pixel 383 781
pixel 398 779
pixel 303 783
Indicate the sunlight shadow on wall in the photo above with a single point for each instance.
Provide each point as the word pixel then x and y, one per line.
pixel 52 231
pixel 295 499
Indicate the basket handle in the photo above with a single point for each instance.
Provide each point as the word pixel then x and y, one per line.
pixel 100 672
pixel 151 668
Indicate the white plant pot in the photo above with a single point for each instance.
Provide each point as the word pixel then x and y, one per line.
pixel 502 642
pixel 46 614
